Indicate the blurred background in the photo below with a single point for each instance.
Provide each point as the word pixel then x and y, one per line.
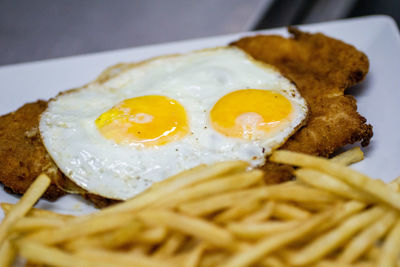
pixel 43 29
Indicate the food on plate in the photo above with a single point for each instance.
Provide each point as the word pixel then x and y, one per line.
pixel 252 224
pixel 168 114
pixel 22 153
pixel 209 122
pixel 322 69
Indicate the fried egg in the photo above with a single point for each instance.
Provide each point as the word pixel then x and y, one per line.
pixel 169 114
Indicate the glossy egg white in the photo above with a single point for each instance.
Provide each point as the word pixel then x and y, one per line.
pixel 197 81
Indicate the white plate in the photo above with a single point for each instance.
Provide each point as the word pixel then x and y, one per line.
pixel 378 96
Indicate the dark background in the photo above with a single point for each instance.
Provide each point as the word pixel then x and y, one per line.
pixel 41 29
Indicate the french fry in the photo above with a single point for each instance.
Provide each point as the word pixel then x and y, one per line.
pixel 208 172
pixel 287 211
pixel 28 224
pixel 151 236
pixel 193 257
pixel 146 237
pixel 390 250
pixel 121 259
pixel 7 253
pixel 395 184
pixel 122 235
pixel 331 263
pixel 174 184
pixel 42 254
pixel 34 192
pixel 262 214
pixel 258 230
pixel 271 261
pixel 171 245
pixel 193 226
pixel 326 182
pixel 224 184
pixel 237 211
pixel 348 157
pixel 275 242
pixel 356 247
pixel 141 249
pixel 326 243
pixel 37 212
pixel 213 259
pixel 352 177
pixel 342 213
pixel 273 192
pixel 81 228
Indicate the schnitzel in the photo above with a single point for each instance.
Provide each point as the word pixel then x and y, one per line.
pixel 321 67
pixel 22 153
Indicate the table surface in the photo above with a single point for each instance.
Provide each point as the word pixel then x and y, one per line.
pixel 42 29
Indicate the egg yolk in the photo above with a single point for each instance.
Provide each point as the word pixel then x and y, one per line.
pixel 150 120
pixel 250 113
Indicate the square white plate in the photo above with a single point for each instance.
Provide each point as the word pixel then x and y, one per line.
pixel 378 97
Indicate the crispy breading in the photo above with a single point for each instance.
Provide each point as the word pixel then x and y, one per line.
pixel 322 69
pixel 22 153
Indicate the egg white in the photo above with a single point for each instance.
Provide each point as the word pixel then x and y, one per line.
pixel 197 80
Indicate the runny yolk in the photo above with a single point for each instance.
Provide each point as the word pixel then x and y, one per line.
pixel 250 113
pixel 151 120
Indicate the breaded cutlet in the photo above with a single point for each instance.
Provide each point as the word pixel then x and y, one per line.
pixel 322 69
pixel 22 153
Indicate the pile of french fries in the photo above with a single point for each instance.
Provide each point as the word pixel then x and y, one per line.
pixel 221 215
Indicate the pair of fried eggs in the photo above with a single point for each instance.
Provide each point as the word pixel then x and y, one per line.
pixel 169 114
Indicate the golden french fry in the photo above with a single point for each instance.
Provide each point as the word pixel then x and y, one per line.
pixel 331 263
pixel 7 253
pixel 326 243
pixel 193 257
pixel 82 242
pixel 342 212
pixel 37 212
pixel 272 261
pixel 52 256
pixel 146 237
pixel 282 191
pixel 275 242
pixel 262 214
pixel 390 250
pixel 210 172
pixel 34 192
pixel 212 259
pixel 196 227
pixel 373 253
pixel 81 228
pixel 328 183
pixel 141 249
pixel 241 209
pixel 27 224
pixel 123 235
pixel 171 245
pixel 287 211
pixel 224 184
pixel 260 230
pixel 352 177
pixel 395 184
pixel 151 236
pixel 174 184
pixel 348 157
pixel 121 259
pixel 359 244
